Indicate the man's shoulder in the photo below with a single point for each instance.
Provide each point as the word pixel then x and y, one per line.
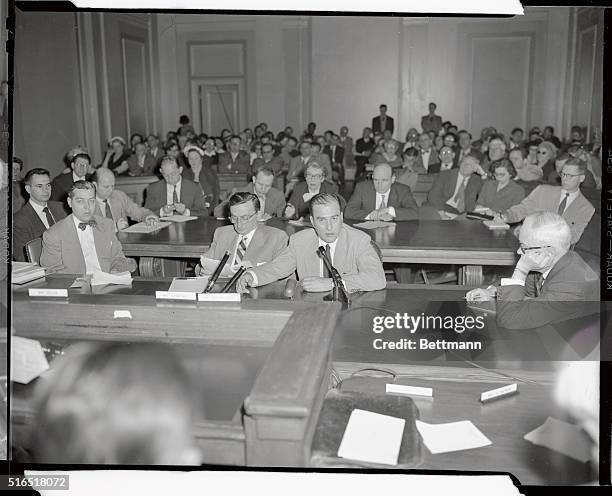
pixel 546 189
pixel 63 177
pixel 224 231
pixel 119 195
pixel 355 235
pixel 60 226
pixel 401 189
pixel 271 231
pixel 275 194
pixel 104 222
pixel 159 184
pixel 24 212
pixel 303 236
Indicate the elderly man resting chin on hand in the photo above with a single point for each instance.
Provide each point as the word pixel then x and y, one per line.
pixel 550 283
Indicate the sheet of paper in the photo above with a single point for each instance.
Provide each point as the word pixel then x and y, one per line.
pixel 563 437
pixel 373 224
pixel 495 225
pixel 188 284
pixel 453 436
pixel 372 437
pixel 142 227
pixel 99 278
pixel 299 222
pixel 179 218
pixel 28 359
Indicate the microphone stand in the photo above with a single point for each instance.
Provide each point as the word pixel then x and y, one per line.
pixel 216 273
pixel 233 280
pixel 339 288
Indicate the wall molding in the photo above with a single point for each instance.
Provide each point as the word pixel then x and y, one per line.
pixel 124 63
pixel 139 19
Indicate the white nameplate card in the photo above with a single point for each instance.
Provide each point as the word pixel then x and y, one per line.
pixel 408 390
pixel 499 393
pixel 175 295
pixel 53 293
pixel 122 314
pixel 233 297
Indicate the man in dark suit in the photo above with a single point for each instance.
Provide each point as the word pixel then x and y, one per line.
pixel 154 150
pixel 175 194
pixel 465 147
pixel 36 216
pixel 235 159
pixel 83 243
pixel 140 163
pixel 428 156
pixel 275 163
pixel 62 184
pixel 431 121
pixel 381 198
pixel 336 157
pixel 382 122
pixel 550 283
pixel 455 191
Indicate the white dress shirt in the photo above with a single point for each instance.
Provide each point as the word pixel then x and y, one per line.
pixel 379 199
pixel 570 198
pixel 76 178
pixel 88 247
pixel 332 252
pixel 509 281
pixel 39 211
pixel 425 156
pixel 170 198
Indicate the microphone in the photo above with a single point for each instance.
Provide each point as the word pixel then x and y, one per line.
pixel 233 280
pixel 334 274
pixel 217 273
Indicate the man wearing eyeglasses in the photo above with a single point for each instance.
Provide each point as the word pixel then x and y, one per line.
pixel 550 283
pixel 315 183
pixel 565 200
pixel 249 242
pixel 350 250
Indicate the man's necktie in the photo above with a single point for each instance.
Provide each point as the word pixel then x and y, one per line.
pixel 382 203
pixel 108 213
pixel 459 197
pixel 563 204
pixel 262 204
pixel 175 198
pixel 83 225
pixel 326 273
pixel 539 282
pixel 50 219
pixel 240 251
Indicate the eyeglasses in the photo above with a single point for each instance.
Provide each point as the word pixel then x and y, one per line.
pixel 313 176
pixel 565 175
pixel 243 218
pixel 522 249
pixel 542 152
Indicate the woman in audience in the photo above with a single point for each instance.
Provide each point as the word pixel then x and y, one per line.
pixel 219 146
pixel 528 176
pixel 116 403
pixel 116 156
pixel 202 174
pixel 412 139
pixel 210 154
pixel 547 152
pixel 450 140
pixel 502 193
pixel 438 142
pixel 388 155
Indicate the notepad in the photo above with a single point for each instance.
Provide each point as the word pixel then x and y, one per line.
pixel 453 436
pixel 143 228
pixel 495 225
pixel 373 224
pixel 372 437
pixel 188 284
pixel 28 359
pixel 179 218
pixel 563 437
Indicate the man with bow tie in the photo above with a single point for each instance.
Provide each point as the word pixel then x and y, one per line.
pixel 550 283
pixel 83 243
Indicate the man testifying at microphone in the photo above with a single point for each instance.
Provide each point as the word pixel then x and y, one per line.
pixel 249 242
pixel 350 251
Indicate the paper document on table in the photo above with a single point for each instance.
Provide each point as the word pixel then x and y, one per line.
pixel 188 284
pixel 142 227
pixel 372 437
pixel 453 436
pixel 99 277
pixel 495 225
pixel 28 359
pixel 563 437
pixel 299 222
pixel 373 224
pixel 179 218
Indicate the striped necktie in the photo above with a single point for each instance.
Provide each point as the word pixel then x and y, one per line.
pixel 326 273
pixel 50 219
pixel 382 204
pixel 539 282
pixel 108 213
pixel 175 198
pixel 240 251
pixel 563 204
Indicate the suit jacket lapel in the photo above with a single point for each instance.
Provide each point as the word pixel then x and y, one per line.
pixel 341 253
pixel 35 218
pixel 370 198
pixel 74 244
pixel 256 242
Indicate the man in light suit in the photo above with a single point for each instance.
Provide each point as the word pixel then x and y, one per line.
pixel 174 193
pixel 235 160
pixel 431 121
pixel 382 122
pixel 83 242
pixel 141 163
pixel 351 251
pixel 114 204
pixel 272 201
pixel 455 191
pixel 297 166
pixel 428 156
pixel 381 198
pixel 249 242
pixel 566 200
pixel 550 283
pixel 36 216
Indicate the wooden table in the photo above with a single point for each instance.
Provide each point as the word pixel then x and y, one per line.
pixel 232 346
pixel 466 243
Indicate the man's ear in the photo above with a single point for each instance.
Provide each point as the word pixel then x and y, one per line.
pixel 70 202
pixel 582 178
pixel 28 189
pixel 393 178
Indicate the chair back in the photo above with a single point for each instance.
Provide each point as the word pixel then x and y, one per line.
pixel 33 250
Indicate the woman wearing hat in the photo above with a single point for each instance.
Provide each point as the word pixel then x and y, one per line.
pixel 116 156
